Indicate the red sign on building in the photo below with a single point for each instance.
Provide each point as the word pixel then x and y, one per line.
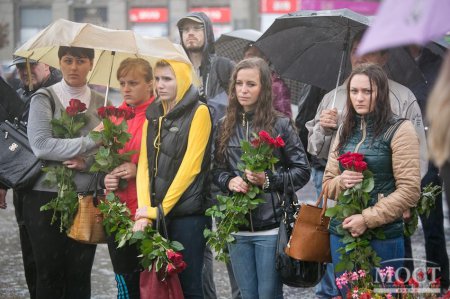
pixel 278 6
pixel 148 15
pixel 215 14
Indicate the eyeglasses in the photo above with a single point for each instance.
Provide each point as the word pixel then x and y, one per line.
pixel 195 28
pixel 21 66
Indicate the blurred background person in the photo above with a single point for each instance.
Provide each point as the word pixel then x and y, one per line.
pixel 197 38
pixel 433 225
pixel 280 92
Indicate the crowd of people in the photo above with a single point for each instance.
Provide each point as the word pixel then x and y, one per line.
pixel 186 138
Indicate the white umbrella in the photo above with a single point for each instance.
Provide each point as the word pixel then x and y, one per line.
pixel 111 47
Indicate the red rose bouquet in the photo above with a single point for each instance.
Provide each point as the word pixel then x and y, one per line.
pixel 231 211
pixel 113 137
pixel 357 252
pixel 159 252
pixel 65 205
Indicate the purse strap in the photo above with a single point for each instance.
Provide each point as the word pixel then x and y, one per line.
pixel 161 222
pixel 323 196
pixel 94 180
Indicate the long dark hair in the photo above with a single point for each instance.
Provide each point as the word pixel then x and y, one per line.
pixel 381 114
pixel 264 115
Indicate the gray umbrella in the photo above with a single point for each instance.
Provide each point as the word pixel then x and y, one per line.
pixel 313 47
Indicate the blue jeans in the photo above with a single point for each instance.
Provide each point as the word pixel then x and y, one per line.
pixel 253 261
pixel 327 285
pixel 188 231
pixel 391 252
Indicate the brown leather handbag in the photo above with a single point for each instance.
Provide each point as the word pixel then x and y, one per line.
pixel 310 238
pixel 87 225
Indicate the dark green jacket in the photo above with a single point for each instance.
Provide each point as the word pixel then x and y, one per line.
pixel 378 156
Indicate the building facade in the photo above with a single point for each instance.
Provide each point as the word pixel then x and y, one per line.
pixel 153 17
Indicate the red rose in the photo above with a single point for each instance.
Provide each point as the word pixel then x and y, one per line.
pixel 413 282
pixel 357 156
pixel 365 295
pixel 265 137
pixel 256 142
pixel 359 166
pixel 279 142
pixel 71 111
pixel 347 163
pixel 399 283
pixel 344 156
pixel 75 106
pixel 181 266
pixel 171 269
pixel 102 112
pixel 174 257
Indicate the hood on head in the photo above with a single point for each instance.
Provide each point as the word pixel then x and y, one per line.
pixel 183 76
pixel 202 18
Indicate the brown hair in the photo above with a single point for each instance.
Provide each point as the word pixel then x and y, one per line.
pixel 264 117
pixel 438 116
pixel 139 65
pixel 381 114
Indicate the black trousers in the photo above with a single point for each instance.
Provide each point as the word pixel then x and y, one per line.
pixel 63 266
pixel 433 228
pixel 126 267
pixel 27 253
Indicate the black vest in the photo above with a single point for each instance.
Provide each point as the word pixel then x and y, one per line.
pixel 163 165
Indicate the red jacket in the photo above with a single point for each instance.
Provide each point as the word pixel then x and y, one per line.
pixel 129 194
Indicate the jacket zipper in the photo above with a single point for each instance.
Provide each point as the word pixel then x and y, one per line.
pixel 245 125
pixel 364 134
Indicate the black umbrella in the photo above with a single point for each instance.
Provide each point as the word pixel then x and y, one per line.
pixel 232 44
pixel 313 47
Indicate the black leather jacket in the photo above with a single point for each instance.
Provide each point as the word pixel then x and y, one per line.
pixel 292 158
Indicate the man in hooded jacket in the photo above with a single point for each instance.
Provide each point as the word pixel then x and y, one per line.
pixel 197 39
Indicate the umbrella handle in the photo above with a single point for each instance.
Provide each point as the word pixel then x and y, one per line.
pixel 113 54
pixel 341 65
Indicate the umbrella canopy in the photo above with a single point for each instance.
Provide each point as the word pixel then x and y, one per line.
pixel 111 47
pixel 406 22
pixel 232 44
pixel 313 47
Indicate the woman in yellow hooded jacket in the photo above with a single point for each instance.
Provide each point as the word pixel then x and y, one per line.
pixel 173 166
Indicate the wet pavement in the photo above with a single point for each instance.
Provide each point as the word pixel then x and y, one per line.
pixel 12 279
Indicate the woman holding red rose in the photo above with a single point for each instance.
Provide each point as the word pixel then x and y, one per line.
pixel 250 111
pixel 135 76
pixel 391 150
pixel 63 265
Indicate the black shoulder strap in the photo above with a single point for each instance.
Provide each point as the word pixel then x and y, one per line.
pixel 392 129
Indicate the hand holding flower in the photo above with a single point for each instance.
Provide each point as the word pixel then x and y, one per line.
pixel 77 163
pixel 256 178
pixel 355 224
pixel 100 127
pixel 141 224
pixel 237 184
pixel 351 178
pixel 125 171
pixel 111 182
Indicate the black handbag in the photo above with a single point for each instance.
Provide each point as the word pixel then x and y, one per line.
pixel 19 167
pixel 293 273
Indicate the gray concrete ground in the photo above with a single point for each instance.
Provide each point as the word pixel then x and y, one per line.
pixel 13 285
